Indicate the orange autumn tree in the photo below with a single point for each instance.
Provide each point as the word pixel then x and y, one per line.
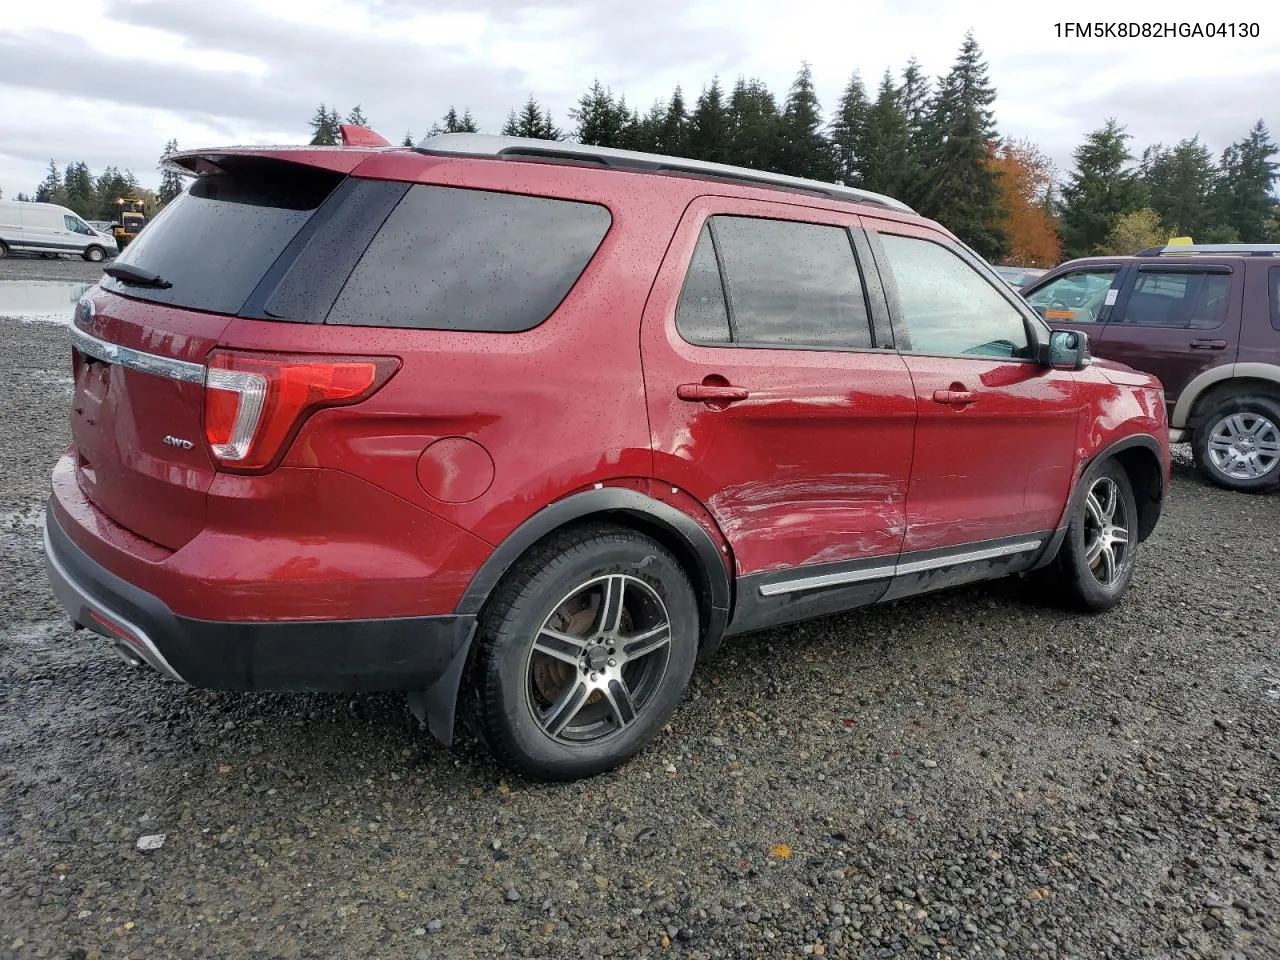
pixel 1026 176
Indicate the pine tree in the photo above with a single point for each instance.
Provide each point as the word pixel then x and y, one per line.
pixel 81 195
pixel 110 187
pixel 1100 190
pixel 601 120
pixel 171 185
pixel 709 125
pixel 532 121
pixel 884 148
pixel 806 152
pixel 914 98
pixel 408 139
pixel 467 124
pixel 1244 197
pixel 755 126
pixel 323 131
pixel 848 131
pixel 357 117
pixel 959 186
pixel 50 189
pixel 673 130
pixel 1179 184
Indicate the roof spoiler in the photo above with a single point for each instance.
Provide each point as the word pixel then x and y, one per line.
pixel 354 135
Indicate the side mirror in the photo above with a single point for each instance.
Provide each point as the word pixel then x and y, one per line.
pixel 1067 350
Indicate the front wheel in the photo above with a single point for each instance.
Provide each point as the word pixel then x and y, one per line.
pixel 1237 446
pixel 95 254
pixel 1096 561
pixel 4 251
pixel 585 651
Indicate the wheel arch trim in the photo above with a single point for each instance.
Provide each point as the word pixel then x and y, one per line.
pixel 1148 512
pixel 1202 382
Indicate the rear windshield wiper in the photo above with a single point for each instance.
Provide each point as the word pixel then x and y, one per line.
pixel 142 278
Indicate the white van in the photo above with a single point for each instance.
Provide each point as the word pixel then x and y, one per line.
pixel 49 228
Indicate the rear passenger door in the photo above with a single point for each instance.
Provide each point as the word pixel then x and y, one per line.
pixel 776 399
pixel 996 435
pixel 1175 320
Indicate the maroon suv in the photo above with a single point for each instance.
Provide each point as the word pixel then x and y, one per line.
pixel 1206 321
pixel 526 428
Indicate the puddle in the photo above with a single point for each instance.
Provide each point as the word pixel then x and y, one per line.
pixel 52 301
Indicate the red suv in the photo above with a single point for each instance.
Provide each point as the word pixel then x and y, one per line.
pixel 526 428
pixel 1206 321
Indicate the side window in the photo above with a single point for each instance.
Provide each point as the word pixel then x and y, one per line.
pixel 702 315
pixel 785 284
pixel 1274 275
pixel 1075 297
pixel 1195 299
pixel 74 225
pixel 454 259
pixel 950 309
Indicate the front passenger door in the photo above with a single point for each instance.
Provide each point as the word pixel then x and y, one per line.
pixel 996 430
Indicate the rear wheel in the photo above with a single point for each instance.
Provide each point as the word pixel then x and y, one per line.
pixel 1237 446
pixel 585 651
pixel 1096 561
pixel 95 254
pixel 4 251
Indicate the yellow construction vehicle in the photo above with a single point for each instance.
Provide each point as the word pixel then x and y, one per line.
pixel 129 221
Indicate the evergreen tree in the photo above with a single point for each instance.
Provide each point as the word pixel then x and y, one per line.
pixel 171 185
pixel 709 125
pixel 848 131
pixel 357 117
pixel 755 126
pixel 914 98
pixel 1100 190
pixel 467 124
pixel 959 186
pixel 884 148
pixel 324 132
pixel 673 130
pixel 408 139
pixel 1243 196
pixel 532 121
pixel 1179 184
pixel 601 120
pixel 81 195
pixel 806 152
pixel 111 186
pixel 50 189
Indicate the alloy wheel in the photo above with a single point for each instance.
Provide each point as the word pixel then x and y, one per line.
pixel 1106 531
pixel 1244 446
pixel 598 660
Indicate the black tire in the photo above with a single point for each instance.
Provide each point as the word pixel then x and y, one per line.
pixel 95 254
pixel 1076 579
pixel 563 583
pixel 4 251
pixel 1252 412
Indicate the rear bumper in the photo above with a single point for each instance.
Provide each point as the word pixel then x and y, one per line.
pixel 407 653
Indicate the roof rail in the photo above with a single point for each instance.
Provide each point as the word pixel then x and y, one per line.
pixel 522 148
pixel 1213 249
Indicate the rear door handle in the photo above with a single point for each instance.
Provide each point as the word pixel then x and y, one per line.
pixel 704 392
pixel 1208 344
pixel 954 397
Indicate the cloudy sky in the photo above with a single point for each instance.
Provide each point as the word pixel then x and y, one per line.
pixel 110 81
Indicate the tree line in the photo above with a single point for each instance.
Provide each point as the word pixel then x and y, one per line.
pixel 95 198
pixel 934 143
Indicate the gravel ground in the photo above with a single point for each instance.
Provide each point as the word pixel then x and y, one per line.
pixel 960 775
pixel 22 267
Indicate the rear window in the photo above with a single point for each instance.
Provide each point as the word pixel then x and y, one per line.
pixel 456 259
pixel 215 241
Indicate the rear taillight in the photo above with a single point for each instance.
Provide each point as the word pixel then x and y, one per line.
pixel 254 403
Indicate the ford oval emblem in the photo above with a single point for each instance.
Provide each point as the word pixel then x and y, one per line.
pixel 85 311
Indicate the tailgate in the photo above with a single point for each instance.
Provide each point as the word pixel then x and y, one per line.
pixel 136 415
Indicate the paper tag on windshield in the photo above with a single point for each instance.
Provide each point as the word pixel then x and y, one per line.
pixel 1111 297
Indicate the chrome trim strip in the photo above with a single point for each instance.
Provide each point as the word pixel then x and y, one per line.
pixel 896 570
pixel 155 659
pixel 159 366
pixel 970 556
pixel 825 580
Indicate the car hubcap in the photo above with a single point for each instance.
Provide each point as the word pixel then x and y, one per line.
pixel 598 659
pixel 1244 446
pixel 1106 533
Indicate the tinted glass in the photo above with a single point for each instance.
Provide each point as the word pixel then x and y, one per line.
pixel 453 259
pixel 701 315
pixel 950 309
pixel 1274 275
pixel 214 242
pixel 1168 298
pixel 791 284
pixel 1076 297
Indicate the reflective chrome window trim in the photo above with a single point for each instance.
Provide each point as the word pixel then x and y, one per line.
pixel 159 366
